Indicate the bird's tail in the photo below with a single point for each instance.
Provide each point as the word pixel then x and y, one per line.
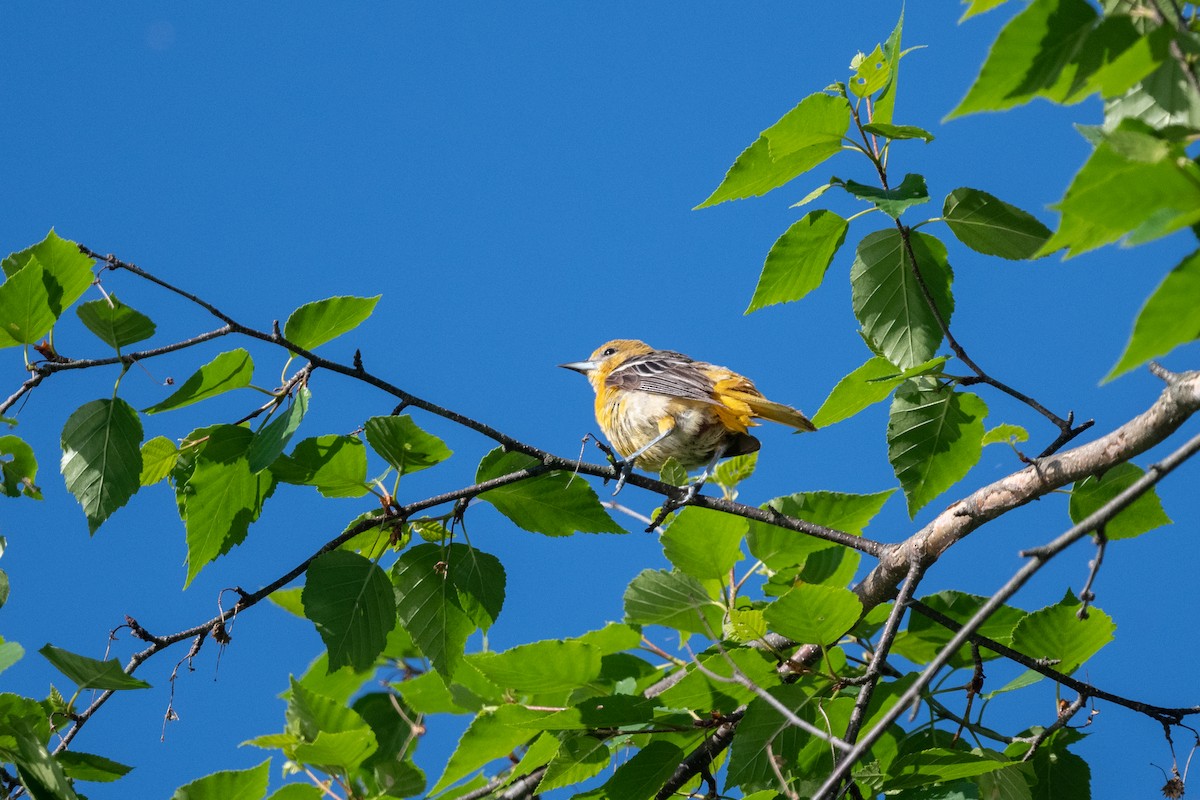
pixel 776 412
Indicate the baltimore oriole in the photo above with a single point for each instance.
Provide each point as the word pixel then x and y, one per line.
pixel 658 404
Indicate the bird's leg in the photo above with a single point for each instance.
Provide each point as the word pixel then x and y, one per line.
pixel 625 466
pixel 695 488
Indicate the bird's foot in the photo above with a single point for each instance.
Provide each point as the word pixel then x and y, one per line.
pixel 623 468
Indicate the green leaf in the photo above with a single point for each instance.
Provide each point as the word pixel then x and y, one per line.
pixel 336 465
pixel 88 673
pixel 732 471
pixel 993 227
pixel 898 131
pixel 814 614
pixel 885 101
pixel 89 767
pixel 10 652
pixel 1061 775
pixel 541 667
pixel 1030 55
pixel 101 460
pixel 553 503
pixel 797 262
pixel 923 639
pixel 765 734
pixel 580 757
pixel 429 608
pixel 297 791
pixel 39 772
pixel 892 201
pixel 780 548
pixel 487 738
pixel 345 750
pixel 671 599
pixel 1170 317
pixel 979 7
pixel 115 323
pixel 1092 493
pixel 351 602
pixel 672 472
pixel 888 301
pixel 704 543
pixel 270 440
pixel 1005 433
pixel 642 776
pixel 871 73
pixel 58 275
pixel 405 446
pixel 935 436
pixel 310 714
pixel 803 138
pixel 245 784
pixel 159 456
pixel 228 371
pixel 69 271
pixel 314 324
pixel 939 765
pixel 221 496
pixel 1134 184
pixel 1161 99
pixel 479 579
pixel 699 691
pixel 25 307
pixel 867 385
pixel 18 468
pixel 1056 633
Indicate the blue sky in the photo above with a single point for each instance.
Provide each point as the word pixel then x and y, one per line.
pixel 518 186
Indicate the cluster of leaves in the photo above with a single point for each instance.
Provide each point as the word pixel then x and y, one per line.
pixel 559 713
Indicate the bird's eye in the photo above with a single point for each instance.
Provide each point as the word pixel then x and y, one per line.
pixel 608 351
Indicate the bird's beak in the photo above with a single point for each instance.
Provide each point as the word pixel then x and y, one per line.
pixel 582 367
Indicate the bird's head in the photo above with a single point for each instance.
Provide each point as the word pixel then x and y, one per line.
pixel 606 358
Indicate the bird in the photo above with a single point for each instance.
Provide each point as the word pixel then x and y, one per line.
pixel 654 405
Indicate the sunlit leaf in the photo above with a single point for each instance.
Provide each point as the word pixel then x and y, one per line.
pixel 158 459
pixel 1170 317
pixel 552 503
pixel 220 497
pixel 18 468
pixel 797 262
pixel 228 371
pixel 1056 632
pixel 548 666
pixel 671 599
pixel 867 385
pixel 314 324
pixel 803 138
pixel 780 548
pixel 245 784
pixel 401 443
pixel 115 323
pixel 1094 492
pixel 814 614
pixel 704 543
pixel 336 465
pixel 487 738
pixel 91 767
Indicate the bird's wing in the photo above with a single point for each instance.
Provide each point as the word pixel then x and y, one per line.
pixel 664 372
